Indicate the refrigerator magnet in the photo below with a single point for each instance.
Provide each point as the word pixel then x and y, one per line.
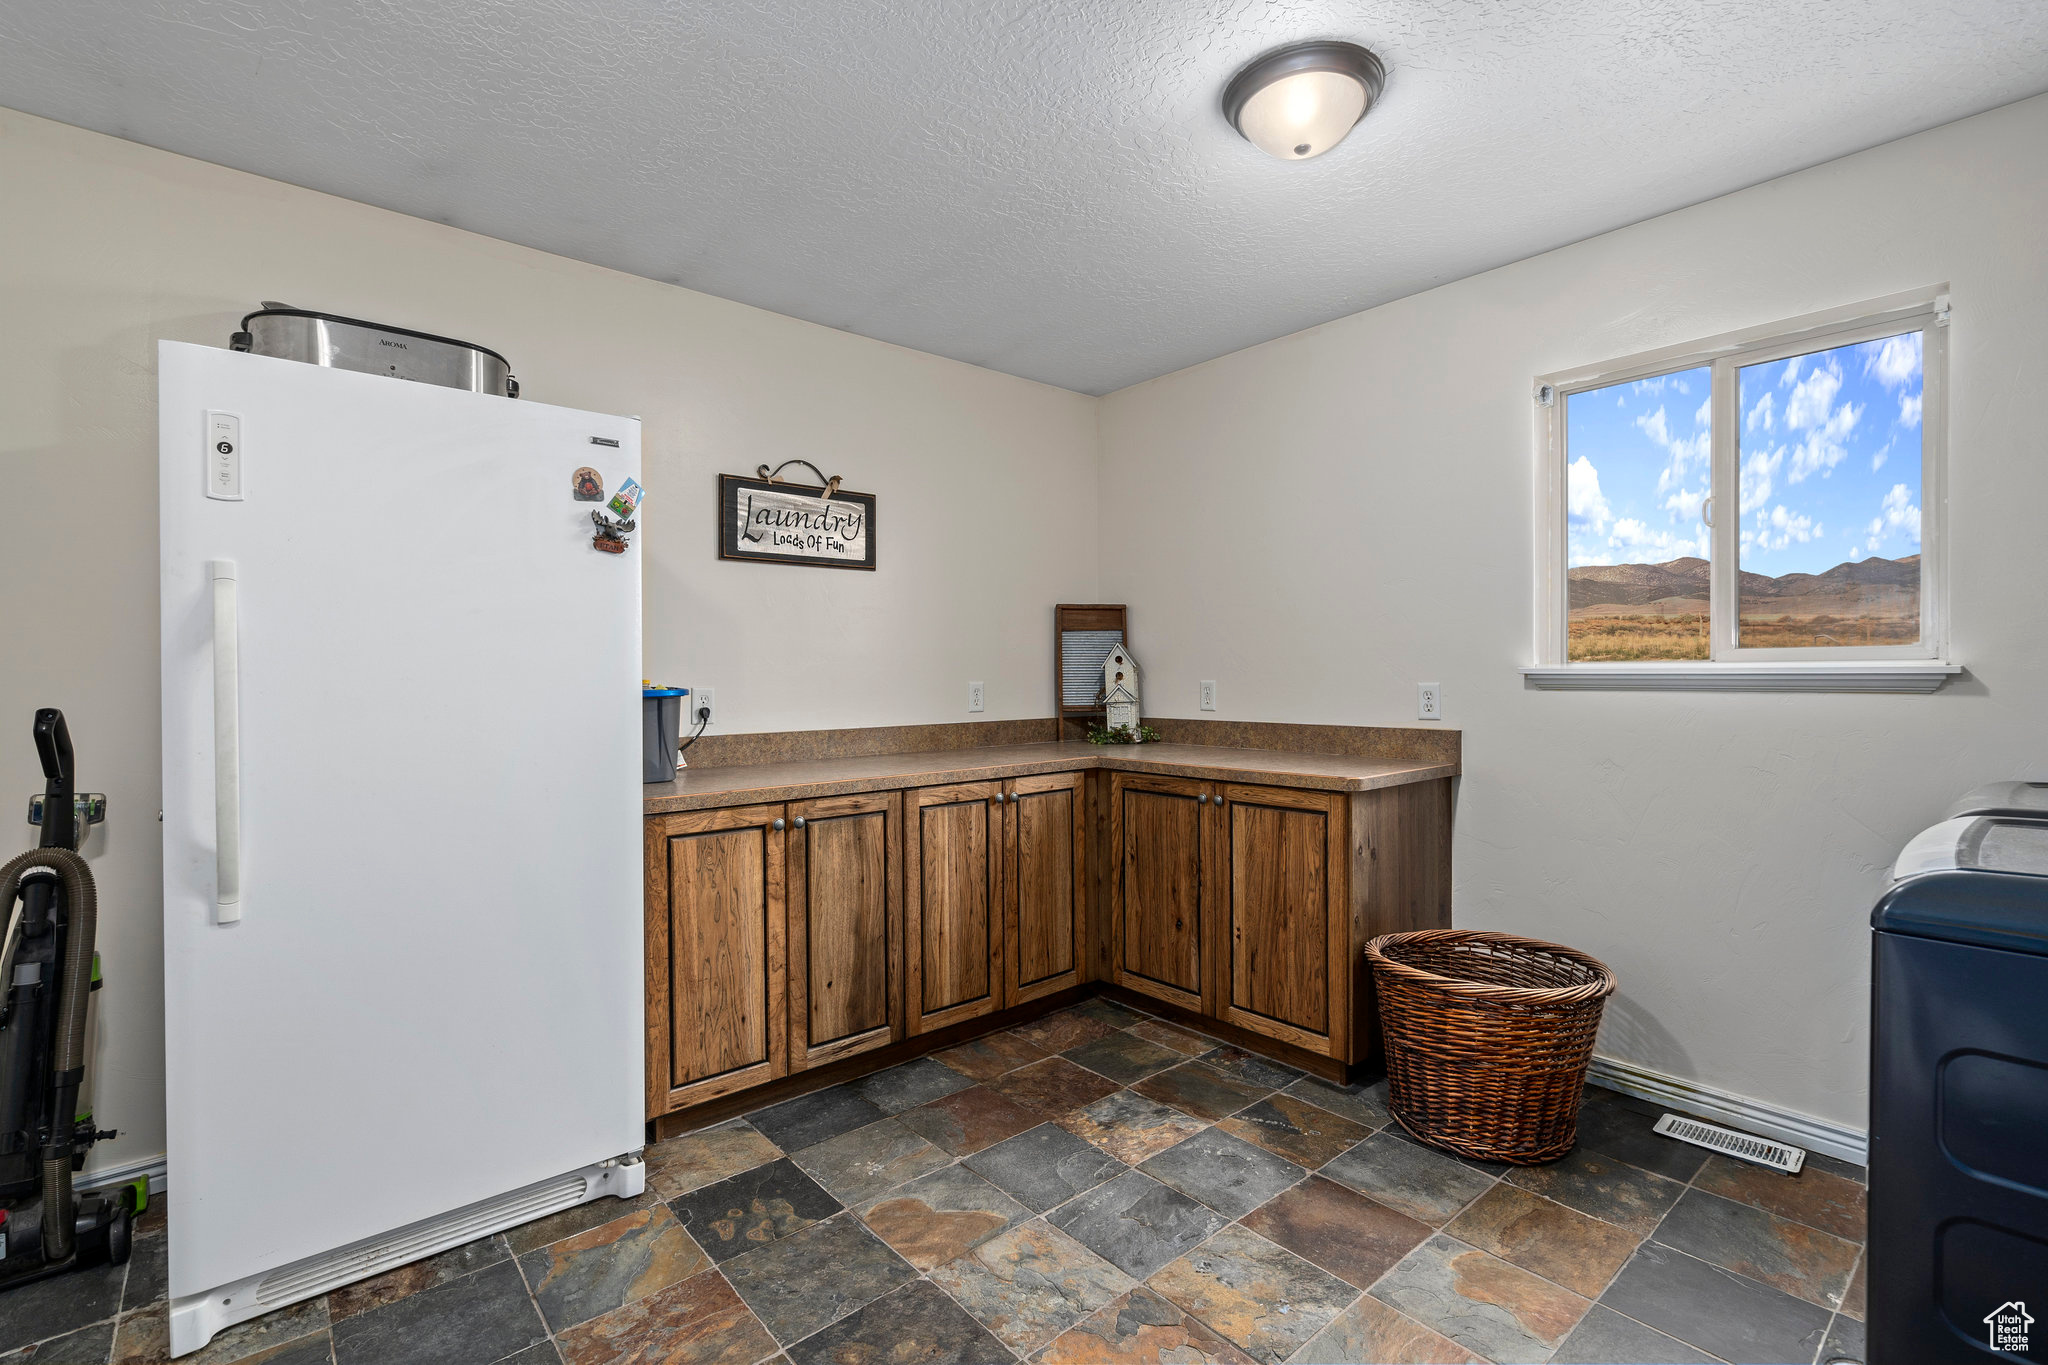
pixel 585 485
pixel 627 500
pixel 611 535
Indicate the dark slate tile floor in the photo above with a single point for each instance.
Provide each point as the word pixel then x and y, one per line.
pixel 1090 1188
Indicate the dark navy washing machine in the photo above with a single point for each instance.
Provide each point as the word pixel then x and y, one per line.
pixel 1959 1090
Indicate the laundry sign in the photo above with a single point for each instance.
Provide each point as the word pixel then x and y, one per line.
pixel 782 523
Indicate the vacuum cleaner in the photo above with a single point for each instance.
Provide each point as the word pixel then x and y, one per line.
pixel 48 969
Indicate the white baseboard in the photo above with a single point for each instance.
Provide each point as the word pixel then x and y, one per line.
pixel 150 1166
pixel 1734 1111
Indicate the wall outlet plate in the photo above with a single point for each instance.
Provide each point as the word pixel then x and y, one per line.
pixel 701 702
pixel 1429 701
pixel 976 696
pixel 1207 693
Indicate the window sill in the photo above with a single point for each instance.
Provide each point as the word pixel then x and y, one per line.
pixel 1819 675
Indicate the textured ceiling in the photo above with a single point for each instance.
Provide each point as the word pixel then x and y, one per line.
pixel 1042 188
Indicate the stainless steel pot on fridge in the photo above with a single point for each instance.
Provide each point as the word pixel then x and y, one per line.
pixel 340 343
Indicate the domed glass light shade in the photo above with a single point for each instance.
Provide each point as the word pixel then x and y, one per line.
pixel 1300 101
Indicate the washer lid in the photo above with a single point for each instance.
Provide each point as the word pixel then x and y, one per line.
pixel 1977 881
pixel 1976 843
pixel 2028 800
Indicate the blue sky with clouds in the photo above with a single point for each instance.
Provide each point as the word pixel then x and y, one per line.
pixel 1829 447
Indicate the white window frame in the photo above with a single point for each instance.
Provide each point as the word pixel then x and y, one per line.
pixel 1919 667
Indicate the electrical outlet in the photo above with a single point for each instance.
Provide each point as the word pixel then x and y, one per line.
pixel 1208 694
pixel 1429 701
pixel 974 696
pixel 701 708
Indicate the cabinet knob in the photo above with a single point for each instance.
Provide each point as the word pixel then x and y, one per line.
pixel 1203 799
pixel 999 798
pixel 778 823
pixel 799 822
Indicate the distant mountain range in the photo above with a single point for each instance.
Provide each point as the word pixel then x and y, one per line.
pixel 1637 584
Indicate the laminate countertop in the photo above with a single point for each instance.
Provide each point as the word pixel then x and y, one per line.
pixel 803 779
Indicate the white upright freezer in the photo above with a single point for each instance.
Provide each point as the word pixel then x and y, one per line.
pixel 401 806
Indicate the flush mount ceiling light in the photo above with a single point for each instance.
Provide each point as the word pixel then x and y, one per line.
pixel 1297 102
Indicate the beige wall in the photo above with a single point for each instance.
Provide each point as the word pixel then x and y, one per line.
pixel 1321 522
pixel 986 485
pixel 1721 851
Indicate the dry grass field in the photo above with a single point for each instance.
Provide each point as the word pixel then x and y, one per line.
pixel 1867 628
pixel 1609 634
pixel 1604 638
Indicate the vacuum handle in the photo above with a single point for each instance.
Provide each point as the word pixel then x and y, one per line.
pixel 53 746
pixel 61 826
pixel 227 746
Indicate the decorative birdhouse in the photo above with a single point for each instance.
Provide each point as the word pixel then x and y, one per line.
pixel 1120 689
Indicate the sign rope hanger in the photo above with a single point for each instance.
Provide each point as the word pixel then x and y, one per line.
pixel 775 475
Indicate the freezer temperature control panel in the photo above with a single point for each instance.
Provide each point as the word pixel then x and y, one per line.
pixel 224 456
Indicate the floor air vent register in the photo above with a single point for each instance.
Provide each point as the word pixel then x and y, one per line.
pixel 1728 1142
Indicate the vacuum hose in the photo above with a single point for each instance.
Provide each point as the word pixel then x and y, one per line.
pixel 67 1067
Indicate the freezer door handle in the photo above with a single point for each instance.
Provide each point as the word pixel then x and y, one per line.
pixel 227 746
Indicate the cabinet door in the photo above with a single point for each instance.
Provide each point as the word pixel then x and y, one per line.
pixel 845 930
pixel 1045 855
pixel 1156 834
pixel 1285 892
pixel 715 956
pixel 952 879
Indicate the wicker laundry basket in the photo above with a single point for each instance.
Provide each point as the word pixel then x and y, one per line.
pixel 1488 1038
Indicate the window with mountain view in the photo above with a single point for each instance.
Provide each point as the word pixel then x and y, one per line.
pixel 1762 499
pixel 1637 551
pixel 1830 538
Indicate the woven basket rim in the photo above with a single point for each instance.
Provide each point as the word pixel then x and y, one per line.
pixel 1601 986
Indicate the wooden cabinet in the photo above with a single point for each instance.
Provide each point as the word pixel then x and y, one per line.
pixel 995 892
pixel 789 936
pixel 1282 884
pixel 774 942
pixel 1252 905
pixel 1399 851
pixel 1160 889
pixel 845 929
pixel 952 885
pixel 1045 884
pixel 716 953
